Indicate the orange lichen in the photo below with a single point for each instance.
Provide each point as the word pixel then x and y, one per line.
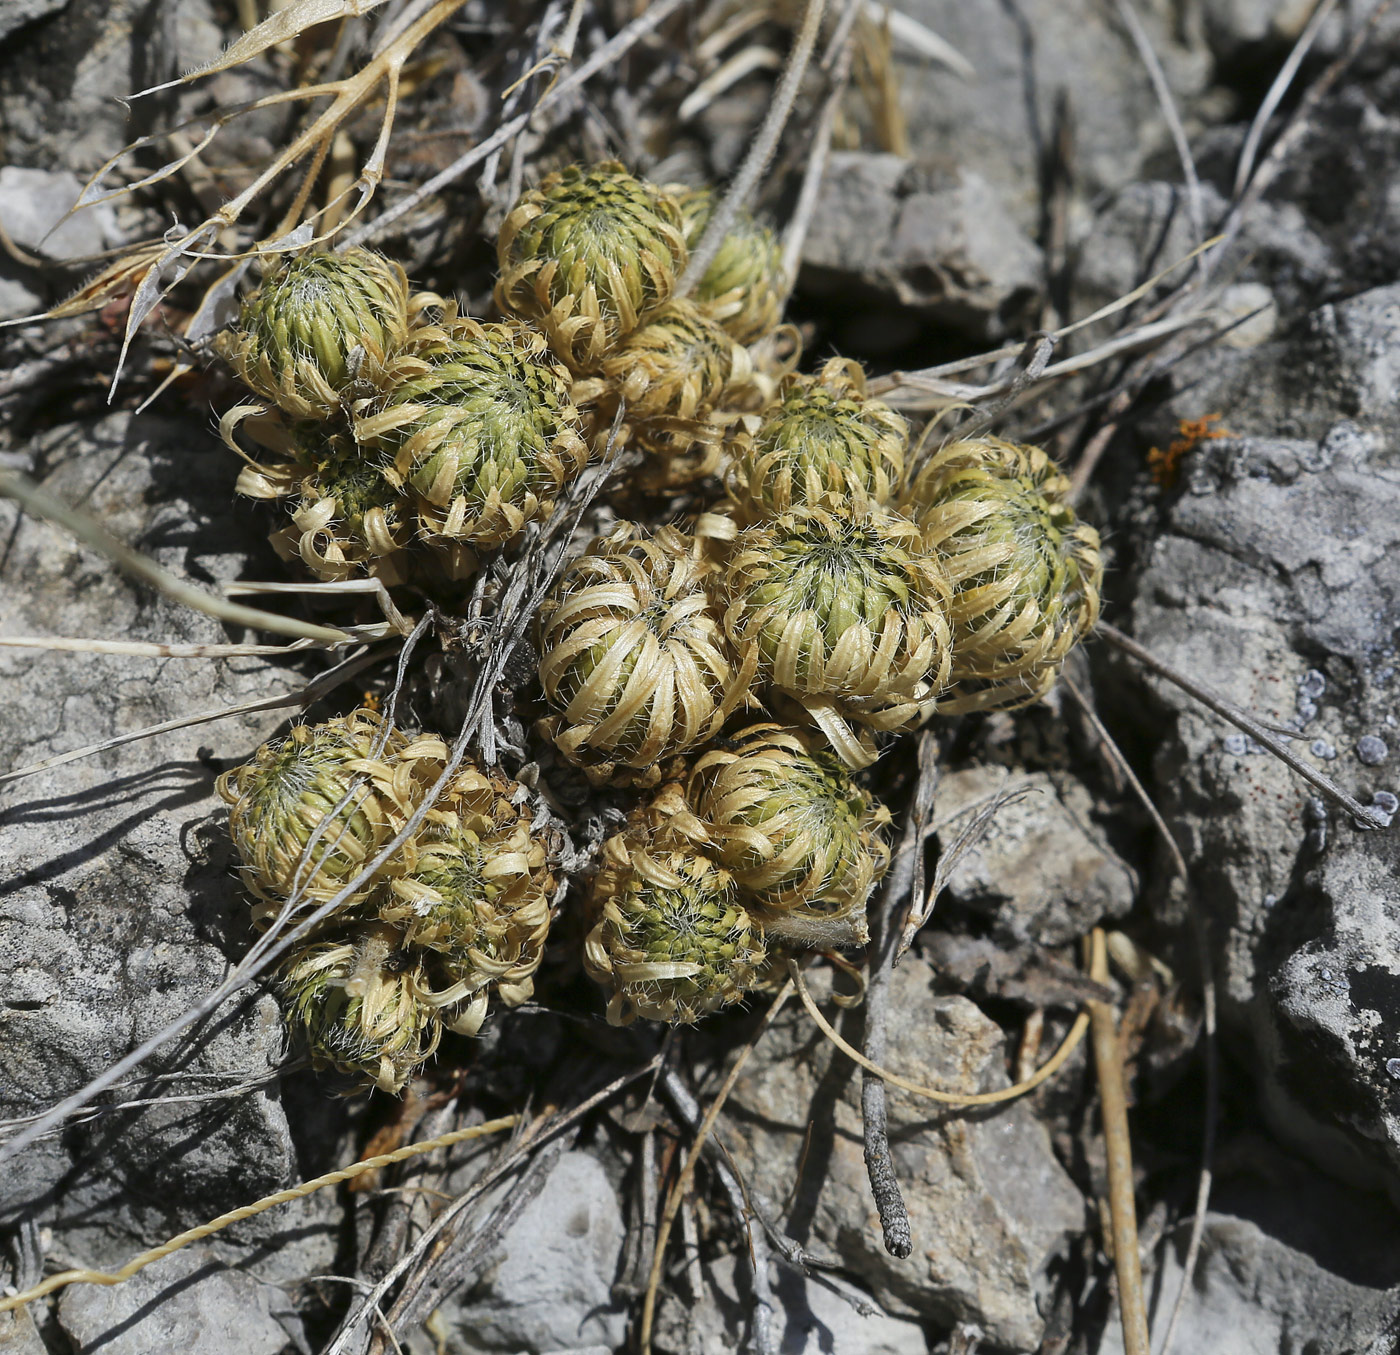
pixel 1190 432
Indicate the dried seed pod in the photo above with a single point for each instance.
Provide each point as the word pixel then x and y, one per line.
pixel 319 325
pixel 1026 573
pixel 824 441
pixel 353 994
pixel 632 657
pixel 671 940
pixel 335 793
pixel 794 830
pixel 589 255
pixel 849 617
pixel 745 286
pixel 481 428
pixel 477 898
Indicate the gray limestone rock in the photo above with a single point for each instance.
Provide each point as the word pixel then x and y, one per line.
pixel 1042 869
pixel 190 1302
pixel 33 205
pixel 923 235
pixel 989 1205
pixel 547 1284
pixel 14 14
pixel 811 1320
pixel 118 903
pixel 1276 580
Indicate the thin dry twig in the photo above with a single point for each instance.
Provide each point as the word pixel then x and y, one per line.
pixel 902 880
pixel 760 151
pixel 762 1329
pixel 1108 1059
pixel 67 1277
pixel 607 55
pixel 37 500
pixel 1365 818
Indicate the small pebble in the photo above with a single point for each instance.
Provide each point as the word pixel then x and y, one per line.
pixel 1392 1066
pixel 1321 748
pixel 1387 806
pixel 1236 744
pixel 1270 900
pixel 1371 750
pixel 1311 685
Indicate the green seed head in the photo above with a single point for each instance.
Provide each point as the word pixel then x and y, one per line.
pixel 745 287
pixel 825 442
pixel 631 655
pixel 792 828
pixel 481 430
pixel 321 324
pixel 329 793
pixel 589 255
pixel 354 997
pixel 848 615
pixel 672 941
pixel 1026 573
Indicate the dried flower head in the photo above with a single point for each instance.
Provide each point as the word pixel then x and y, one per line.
pixel 354 996
pixel 589 255
pixel 671 941
pixel 332 793
pixel 482 429
pixel 848 615
pixel 1026 573
pixel 320 324
pixel 794 830
pixel 477 898
pixel 632 657
pixel 825 441
pixel 745 287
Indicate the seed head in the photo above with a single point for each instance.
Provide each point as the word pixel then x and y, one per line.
pixel 477 899
pixel 353 994
pixel 321 324
pixel 745 287
pixel 1026 573
pixel 825 442
pixel 631 656
pixel 334 792
pixel 481 430
pixel 671 940
pixel 794 830
pixel 849 617
pixel 589 255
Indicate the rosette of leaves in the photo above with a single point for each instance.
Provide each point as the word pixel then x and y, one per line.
pixel 795 831
pixel 476 901
pixel 322 326
pixel 849 616
pixel 673 374
pixel 1026 573
pixel 745 286
pixel 481 429
pixel 671 940
pixel 308 812
pixel 631 656
pixel 347 516
pixel 824 442
pixel 354 995
pixel 588 255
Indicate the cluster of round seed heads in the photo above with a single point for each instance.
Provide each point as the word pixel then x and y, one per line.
pixel 633 658
pixel 459 913
pixel 671 940
pixel 823 442
pixel 1026 574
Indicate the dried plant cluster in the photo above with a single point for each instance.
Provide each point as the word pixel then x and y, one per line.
pixel 829 597
pixel 460 911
